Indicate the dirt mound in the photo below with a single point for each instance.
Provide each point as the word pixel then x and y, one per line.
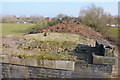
pixel 67 27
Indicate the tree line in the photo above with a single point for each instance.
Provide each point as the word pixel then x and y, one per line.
pixel 91 16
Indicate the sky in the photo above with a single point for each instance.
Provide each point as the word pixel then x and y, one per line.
pixel 51 9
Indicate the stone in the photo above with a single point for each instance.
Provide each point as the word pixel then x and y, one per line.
pixel 68 65
pixel 103 47
pixel 14 60
pixel 22 61
pixel 18 71
pixel 31 61
pixel 97 59
pixel 109 60
pixel 4 58
pixel 49 63
pixel 103 59
pixel 40 63
pixel 105 43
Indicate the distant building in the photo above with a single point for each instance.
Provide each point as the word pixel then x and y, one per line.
pixel 24 20
pixel 113 25
pixel 48 18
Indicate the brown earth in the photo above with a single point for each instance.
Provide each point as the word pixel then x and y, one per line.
pixel 73 28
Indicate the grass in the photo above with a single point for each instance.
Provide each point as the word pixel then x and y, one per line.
pixel 14 28
pixel 50 50
pixel 54 46
pixel 113 31
pixel 53 37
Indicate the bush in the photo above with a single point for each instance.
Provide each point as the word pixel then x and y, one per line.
pixel 53 22
pixel 41 24
pixel 45 23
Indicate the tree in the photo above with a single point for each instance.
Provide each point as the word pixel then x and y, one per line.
pixel 41 24
pixel 53 21
pixel 94 17
pixel 60 16
pixel 66 18
pixel 36 19
pixel 9 19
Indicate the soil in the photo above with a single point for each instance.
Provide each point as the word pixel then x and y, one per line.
pixel 73 28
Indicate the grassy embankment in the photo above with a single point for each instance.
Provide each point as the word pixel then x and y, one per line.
pixel 114 36
pixel 54 46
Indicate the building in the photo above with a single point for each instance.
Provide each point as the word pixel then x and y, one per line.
pixel 24 20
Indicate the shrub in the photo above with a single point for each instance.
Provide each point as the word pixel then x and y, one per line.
pixel 53 22
pixel 41 24
pixel 45 23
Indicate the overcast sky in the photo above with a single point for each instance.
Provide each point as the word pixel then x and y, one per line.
pixel 51 9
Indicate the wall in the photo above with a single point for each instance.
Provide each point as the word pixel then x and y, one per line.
pixel 58 64
pixel 103 59
pixel 33 68
pixel 81 71
pixel 20 71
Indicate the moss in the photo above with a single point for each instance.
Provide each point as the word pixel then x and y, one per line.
pixel 47 45
pixel 51 50
pixel 20 55
pixel 110 53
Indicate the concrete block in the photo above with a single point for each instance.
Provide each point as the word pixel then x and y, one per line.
pixel 18 71
pixel 109 60
pixel 14 60
pixel 68 65
pixel 49 63
pixel 4 58
pixel 31 61
pixel 103 59
pixel 40 63
pixel 98 59
pixel 22 61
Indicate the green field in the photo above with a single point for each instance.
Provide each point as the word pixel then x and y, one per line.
pixel 113 31
pixel 12 28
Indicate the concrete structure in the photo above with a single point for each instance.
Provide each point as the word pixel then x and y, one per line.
pixel 103 65
pixel 56 64
pixel 84 48
pixel 102 53
pixel 82 70
pixel 104 47
pixel 103 59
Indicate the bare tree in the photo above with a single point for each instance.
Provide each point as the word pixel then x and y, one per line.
pixel 60 16
pixel 9 19
pixel 36 19
pixel 94 17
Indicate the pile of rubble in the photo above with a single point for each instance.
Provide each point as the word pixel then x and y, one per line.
pixel 67 27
